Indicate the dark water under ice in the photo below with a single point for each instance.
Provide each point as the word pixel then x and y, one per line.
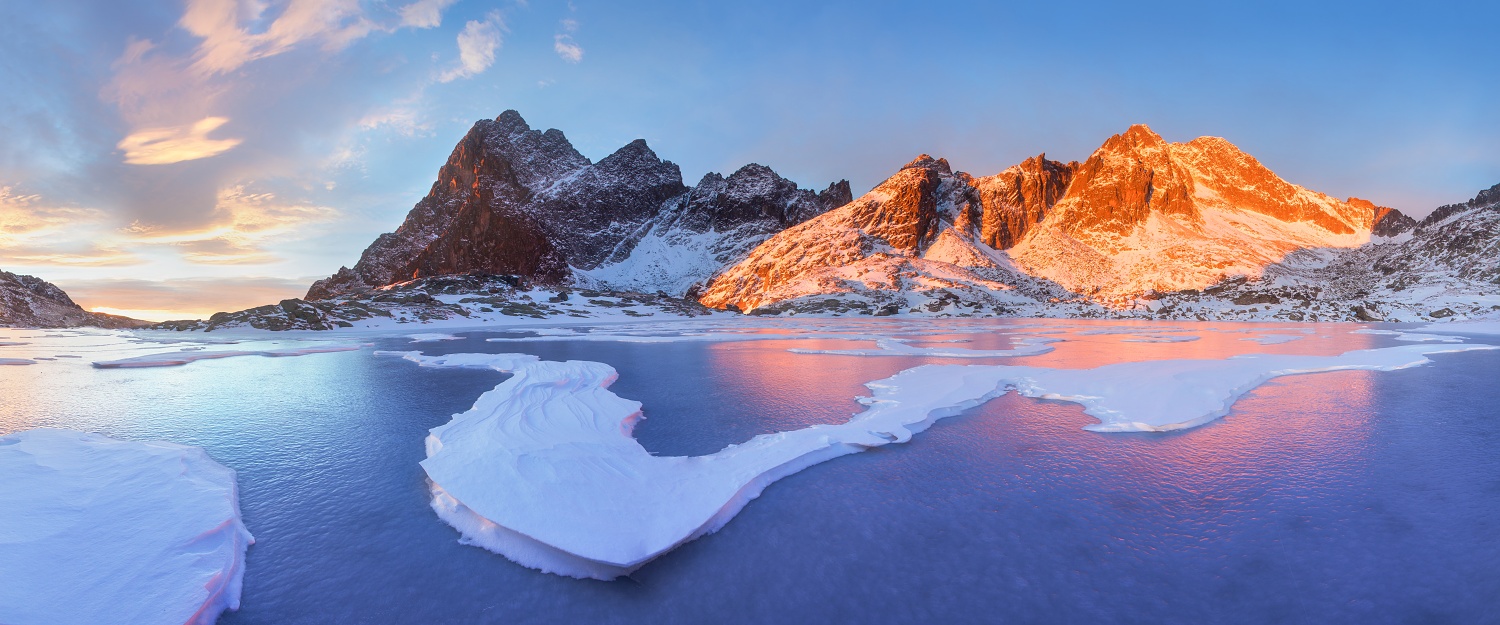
pixel 1349 497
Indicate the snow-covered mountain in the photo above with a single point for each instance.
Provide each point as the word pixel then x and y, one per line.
pixel 1143 215
pixel 912 241
pixel 517 201
pixel 31 302
pixel 1140 216
pixel 1445 267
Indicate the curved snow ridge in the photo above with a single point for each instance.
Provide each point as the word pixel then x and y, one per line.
pixel 1024 346
pixel 178 358
pixel 98 530
pixel 543 468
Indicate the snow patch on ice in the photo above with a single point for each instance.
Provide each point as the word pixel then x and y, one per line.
pixel 98 530
pixel 1491 328
pixel 173 359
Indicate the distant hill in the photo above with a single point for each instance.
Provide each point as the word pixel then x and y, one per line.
pixel 31 302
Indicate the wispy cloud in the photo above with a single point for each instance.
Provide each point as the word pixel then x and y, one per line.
pixel 33 232
pixel 424 13
pixel 563 42
pixel 228 43
pixel 245 223
pixel 477 45
pixel 162 146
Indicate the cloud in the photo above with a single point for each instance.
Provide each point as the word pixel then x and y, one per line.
pixel 563 43
pixel 566 48
pixel 162 146
pixel 227 44
pixel 476 47
pixel 35 233
pixel 424 13
pixel 244 224
pixel 404 120
pixel 181 298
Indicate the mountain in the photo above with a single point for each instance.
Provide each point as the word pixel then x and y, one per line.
pixel 517 201
pixel 913 241
pixel 27 301
pixel 1139 216
pixel 1143 215
pixel 1445 266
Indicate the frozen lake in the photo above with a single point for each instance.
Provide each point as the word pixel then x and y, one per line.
pixel 1339 497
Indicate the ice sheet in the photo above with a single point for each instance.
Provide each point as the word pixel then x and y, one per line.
pixel 543 468
pixel 98 530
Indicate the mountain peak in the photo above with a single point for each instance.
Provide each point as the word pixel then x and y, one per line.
pixel 924 161
pixel 512 121
pixel 1137 137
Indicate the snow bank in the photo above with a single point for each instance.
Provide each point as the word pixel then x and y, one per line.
pixel 1463 327
pixel 172 359
pixel 97 530
pixel 543 468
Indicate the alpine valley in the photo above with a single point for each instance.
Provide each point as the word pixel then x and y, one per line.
pixel 518 223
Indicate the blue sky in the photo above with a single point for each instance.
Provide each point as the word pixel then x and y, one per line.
pixel 179 157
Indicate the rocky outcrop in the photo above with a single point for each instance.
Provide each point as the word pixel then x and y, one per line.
pixel 513 200
pixel 31 302
pixel 1387 222
pixel 712 225
pixel 1017 199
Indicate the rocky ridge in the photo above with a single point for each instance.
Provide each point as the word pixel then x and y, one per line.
pixel 513 200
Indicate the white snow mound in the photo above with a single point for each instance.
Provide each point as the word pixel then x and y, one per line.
pixel 98 530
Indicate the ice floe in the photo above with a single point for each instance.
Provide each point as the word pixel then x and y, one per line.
pixel 172 359
pixel 543 468
pixel 98 530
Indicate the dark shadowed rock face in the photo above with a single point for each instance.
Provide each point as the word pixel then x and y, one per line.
pixel 513 200
pixel 1388 221
pixel 1018 198
pixel 31 302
